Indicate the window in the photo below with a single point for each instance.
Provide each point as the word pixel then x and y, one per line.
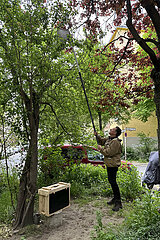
pixel 94 155
pixel 72 153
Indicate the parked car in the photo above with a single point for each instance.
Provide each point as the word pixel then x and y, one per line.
pixel 85 154
pixel 82 154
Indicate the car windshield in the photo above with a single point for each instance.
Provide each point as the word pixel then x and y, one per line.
pixel 94 155
pixel 72 153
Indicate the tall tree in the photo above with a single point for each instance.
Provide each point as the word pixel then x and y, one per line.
pixel 138 16
pixel 30 53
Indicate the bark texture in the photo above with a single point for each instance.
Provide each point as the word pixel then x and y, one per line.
pixel 28 188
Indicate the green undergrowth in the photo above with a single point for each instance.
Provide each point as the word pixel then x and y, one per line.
pixel 92 181
pixel 8 195
pixel 141 221
pixel 6 209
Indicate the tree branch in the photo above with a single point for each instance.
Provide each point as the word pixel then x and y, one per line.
pixel 153 14
pixel 117 63
pixel 50 105
pixel 140 40
pixel 157 44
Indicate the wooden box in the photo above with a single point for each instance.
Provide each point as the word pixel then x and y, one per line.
pixel 54 198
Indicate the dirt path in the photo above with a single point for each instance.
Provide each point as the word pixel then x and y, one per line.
pixel 76 223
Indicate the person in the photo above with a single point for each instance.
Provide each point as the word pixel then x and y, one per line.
pixel 152 172
pixel 112 157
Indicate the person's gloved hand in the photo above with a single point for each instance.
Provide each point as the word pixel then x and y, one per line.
pixel 99 147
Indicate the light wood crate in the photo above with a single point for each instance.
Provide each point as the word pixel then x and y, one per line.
pixel 54 198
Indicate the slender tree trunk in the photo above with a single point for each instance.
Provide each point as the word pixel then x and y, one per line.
pixel 28 189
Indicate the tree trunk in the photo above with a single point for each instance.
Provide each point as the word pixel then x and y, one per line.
pixel 156 78
pixel 155 75
pixel 28 189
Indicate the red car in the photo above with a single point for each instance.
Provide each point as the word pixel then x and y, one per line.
pixel 86 154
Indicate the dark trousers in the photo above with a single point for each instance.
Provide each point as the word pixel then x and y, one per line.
pixel 112 174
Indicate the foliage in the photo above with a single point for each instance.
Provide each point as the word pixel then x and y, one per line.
pixel 146 145
pixel 51 162
pixel 36 80
pixel 141 62
pixel 129 183
pixel 86 180
pixel 108 102
pixel 7 204
pixel 68 98
pixel 132 154
pixel 86 174
pixel 141 221
pixel 141 152
pixel 32 68
pixel 78 190
pixel 129 81
pixel 94 179
pixel 25 40
pixel 100 232
pixel 2 182
pixel 6 209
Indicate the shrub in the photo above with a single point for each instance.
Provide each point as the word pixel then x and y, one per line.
pixel 50 164
pixel 141 151
pixel 132 153
pixel 142 222
pixel 146 145
pixel 94 178
pixel 86 174
pixel 129 183
pixel 2 183
pixel 77 189
pixel 8 193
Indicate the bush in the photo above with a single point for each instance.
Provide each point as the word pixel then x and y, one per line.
pixel 2 183
pixel 51 165
pixel 86 174
pixel 132 153
pixel 146 146
pixel 8 193
pixel 129 183
pixel 141 152
pixel 77 189
pixel 94 178
pixel 142 222
pixel 6 205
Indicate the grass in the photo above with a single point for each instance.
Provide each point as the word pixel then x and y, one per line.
pixel 6 209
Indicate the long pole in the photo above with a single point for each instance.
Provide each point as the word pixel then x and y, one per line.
pixel 84 89
pixel 65 35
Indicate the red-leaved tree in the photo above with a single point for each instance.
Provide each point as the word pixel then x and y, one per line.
pixel 139 16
